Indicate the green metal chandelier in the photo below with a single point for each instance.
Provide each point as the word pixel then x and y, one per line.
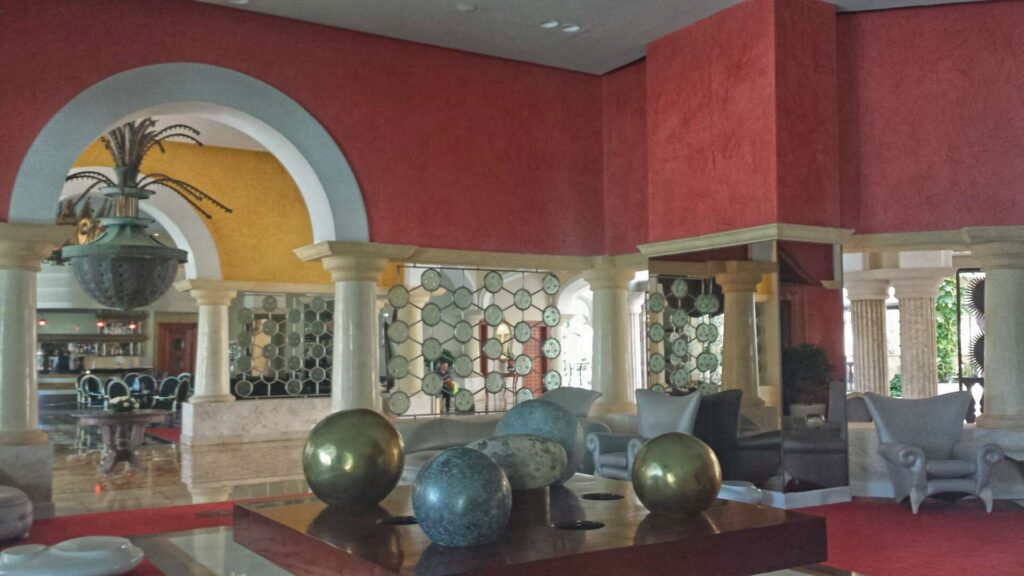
pixel 118 263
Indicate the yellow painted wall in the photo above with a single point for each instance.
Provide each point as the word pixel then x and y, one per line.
pixel 255 242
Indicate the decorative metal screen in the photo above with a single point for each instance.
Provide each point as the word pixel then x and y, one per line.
pixel 281 345
pixel 499 339
pixel 684 334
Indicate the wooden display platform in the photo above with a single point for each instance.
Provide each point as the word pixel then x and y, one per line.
pixel 306 537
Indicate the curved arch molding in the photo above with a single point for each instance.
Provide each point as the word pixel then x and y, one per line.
pixel 266 114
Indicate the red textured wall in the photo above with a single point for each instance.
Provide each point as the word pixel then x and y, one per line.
pixel 807 121
pixel 499 151
pixel 817 318
pixel 625 158
pixel 711 124
pixel 932 117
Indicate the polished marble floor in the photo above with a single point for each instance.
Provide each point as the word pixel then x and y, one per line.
pixel 79 488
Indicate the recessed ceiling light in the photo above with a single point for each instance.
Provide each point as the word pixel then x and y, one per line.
pixel 550 24
pixel 238 2
pixel 571 28
pixel 465 7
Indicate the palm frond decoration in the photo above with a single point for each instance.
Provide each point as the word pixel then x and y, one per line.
pixel 977 355
pixel 974 296
pixel 128 145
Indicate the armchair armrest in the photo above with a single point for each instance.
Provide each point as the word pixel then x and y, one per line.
pixel 905 455
pixel 985 456
pixel 605 443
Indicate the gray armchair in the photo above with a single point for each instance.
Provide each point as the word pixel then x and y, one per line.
pixel 658 414
pixel 920 441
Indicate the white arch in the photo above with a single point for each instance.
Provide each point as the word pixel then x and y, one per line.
pixel 571 288
pixel 174 214
pixel 266 114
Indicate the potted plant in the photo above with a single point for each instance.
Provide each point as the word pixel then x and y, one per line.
pixel 805 376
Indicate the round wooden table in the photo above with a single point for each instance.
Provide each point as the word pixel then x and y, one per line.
pixel 122 433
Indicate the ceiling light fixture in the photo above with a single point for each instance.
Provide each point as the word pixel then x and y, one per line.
pixel 238 2
pixel 550 24
pixel 571 28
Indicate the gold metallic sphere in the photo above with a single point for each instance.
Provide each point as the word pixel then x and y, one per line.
pixel 676 474
pixel 353 458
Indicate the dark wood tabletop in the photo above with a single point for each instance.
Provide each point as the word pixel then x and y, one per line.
pixel 309 538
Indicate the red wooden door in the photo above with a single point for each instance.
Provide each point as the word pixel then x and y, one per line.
pixel 177 348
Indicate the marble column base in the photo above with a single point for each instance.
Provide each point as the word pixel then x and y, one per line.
pixel 869 476
pixel 613 408
pixel 29 467
pixel 240 463
pixel 1001 422
pixel 251 421
pixel 211 398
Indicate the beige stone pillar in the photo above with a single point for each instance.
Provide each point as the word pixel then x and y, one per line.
pixel 26 455
pixel 212 377
pixel 739 341
pixel 916 289
pixel 1003 264
pixel 610 322
pixel 355 268
pixel 870 352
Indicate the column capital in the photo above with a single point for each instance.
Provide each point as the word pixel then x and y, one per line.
pixel 609 278
pixel 209 292
pixel 859 287
pixel 999 255
pixel 23 246
pixel 918 282
pixel 355 261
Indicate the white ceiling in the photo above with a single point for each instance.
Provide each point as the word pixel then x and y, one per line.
pixel 613 32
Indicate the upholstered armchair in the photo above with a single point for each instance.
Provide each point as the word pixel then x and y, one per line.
pixel 657 414
pixel 920 441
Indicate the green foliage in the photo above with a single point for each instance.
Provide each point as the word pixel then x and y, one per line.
pixel 805 374
pixel 896 386
pixel 945 329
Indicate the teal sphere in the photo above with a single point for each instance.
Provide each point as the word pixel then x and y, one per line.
pixel 547 420
pixel 353 458
pixel 462 498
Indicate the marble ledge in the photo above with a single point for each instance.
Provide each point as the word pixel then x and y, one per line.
pixel 251 421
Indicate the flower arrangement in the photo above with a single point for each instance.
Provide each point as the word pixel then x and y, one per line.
pixel 123 404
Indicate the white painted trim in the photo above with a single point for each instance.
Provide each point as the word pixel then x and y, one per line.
pixel 186 228
pixel 269 116
pixel 779 231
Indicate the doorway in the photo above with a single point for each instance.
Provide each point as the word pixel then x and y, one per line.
pixel 177 348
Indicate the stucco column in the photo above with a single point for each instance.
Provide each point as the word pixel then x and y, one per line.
pixel 213 379
pixel 916 290
pixel 355 374
pixel 610 322
pixel 867 314
pixel 739 340
pixel 1003 264
pixel 26 456
pixel 355 268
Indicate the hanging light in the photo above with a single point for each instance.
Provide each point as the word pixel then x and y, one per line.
pixel 118 263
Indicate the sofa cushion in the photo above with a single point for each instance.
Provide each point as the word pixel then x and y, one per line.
pixel 659 413
pixel 575 400
pixel 614 459
pixel 950 468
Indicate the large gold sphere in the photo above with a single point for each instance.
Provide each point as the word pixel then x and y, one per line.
pixel 676 474
pixel 353 458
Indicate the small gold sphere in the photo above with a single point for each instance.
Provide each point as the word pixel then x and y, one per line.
pixel 353 458
pixel 676 474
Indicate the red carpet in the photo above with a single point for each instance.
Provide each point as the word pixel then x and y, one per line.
pixel 882 538
pixel 167 433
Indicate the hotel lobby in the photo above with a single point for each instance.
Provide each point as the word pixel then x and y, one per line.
pixel 783 234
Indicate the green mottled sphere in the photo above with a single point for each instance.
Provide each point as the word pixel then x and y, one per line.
pixel 353 458
pixel 676 474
